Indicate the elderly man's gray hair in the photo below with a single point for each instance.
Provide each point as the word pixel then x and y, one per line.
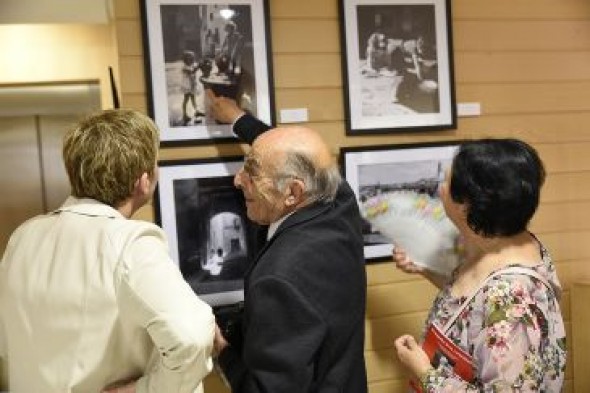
pixel 321 184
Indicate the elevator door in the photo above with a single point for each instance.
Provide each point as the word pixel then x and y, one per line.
pixel 32 175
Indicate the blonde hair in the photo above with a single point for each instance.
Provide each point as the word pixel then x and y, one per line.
pixel 107 152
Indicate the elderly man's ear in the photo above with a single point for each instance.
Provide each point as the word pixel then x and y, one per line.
pixel 296 193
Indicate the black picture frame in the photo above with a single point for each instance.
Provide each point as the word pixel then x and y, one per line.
pixel 190 45
pixel 372 169
pixel 397 64
pixel 201 212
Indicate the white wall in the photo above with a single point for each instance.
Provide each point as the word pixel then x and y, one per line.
pixel 42 53
pixel 55 11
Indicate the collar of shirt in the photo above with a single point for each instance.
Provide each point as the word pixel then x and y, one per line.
pixel 272 228
pixel 88 207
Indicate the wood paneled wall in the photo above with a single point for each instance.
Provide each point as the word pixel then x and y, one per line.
pixel 527 62
pixel 580 338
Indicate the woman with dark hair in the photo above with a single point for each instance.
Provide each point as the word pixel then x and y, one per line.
pixel 499 313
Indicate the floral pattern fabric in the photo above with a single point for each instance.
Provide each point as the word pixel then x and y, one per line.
pixel 514 331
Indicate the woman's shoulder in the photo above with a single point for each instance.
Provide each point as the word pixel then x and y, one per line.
pixel 518 292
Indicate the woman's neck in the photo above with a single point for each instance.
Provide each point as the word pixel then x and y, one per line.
pixel 486 255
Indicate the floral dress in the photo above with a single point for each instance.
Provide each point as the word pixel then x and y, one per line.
pixel 514 331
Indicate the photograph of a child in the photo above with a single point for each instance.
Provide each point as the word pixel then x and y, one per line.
pixel 206 46
pixel 195 45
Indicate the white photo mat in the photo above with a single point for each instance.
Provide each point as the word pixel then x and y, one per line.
pixel 168 213
pixel 398 117
pixel 159 70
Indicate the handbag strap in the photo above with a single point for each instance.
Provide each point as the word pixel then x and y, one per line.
pixel 508 270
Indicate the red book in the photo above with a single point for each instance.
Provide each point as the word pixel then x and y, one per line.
pixel 439 349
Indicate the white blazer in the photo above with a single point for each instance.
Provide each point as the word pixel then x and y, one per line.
pixel 87 295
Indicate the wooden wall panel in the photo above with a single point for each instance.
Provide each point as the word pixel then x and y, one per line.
pixel 527 62
pixel 333 131
pixel 323 105
pixel 571 272
pixel 565 157
pixel 388 386
pixel 520 67
pixel 132 44
pixel 305 36
pixel 521 9
pixel 303 9
pixel 385 273
pixel 567 246
pixel 133 69
pixel 581 338
pixel 134 100
pixel 565 305
pixel 566 186
pixel 540 127
pixel 315 70
pixel 403 297
pixel 521 35
pixel 382 364
pixel 558 217
pixel 222 150
pixel 381 331
pixel 126 9
pixel 527 98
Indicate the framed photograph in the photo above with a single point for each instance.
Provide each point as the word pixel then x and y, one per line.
pixel 204 217
pixel 191 45
pixel 375 170
pixel 397 65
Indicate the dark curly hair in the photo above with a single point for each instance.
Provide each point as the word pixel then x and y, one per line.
pixel 499 181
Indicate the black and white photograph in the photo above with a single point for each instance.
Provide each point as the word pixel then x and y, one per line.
pixel 198 45
pixel 398 70
pixel 204 217
pixel 376 170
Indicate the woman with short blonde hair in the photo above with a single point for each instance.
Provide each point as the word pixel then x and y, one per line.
pixel 105 154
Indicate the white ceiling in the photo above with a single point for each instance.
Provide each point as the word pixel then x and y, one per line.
pixel 55 11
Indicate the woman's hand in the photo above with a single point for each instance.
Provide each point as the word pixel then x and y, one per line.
pixel 404 263
pixel 412 356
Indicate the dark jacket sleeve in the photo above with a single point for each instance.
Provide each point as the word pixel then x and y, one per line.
pixel 283 334
pixel 247 128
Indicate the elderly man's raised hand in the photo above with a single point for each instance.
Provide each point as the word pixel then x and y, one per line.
pixel 223 109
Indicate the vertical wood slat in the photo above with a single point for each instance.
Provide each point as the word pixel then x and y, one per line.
pixel 580 336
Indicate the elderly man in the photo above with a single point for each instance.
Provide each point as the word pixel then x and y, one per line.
pixel 304 307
